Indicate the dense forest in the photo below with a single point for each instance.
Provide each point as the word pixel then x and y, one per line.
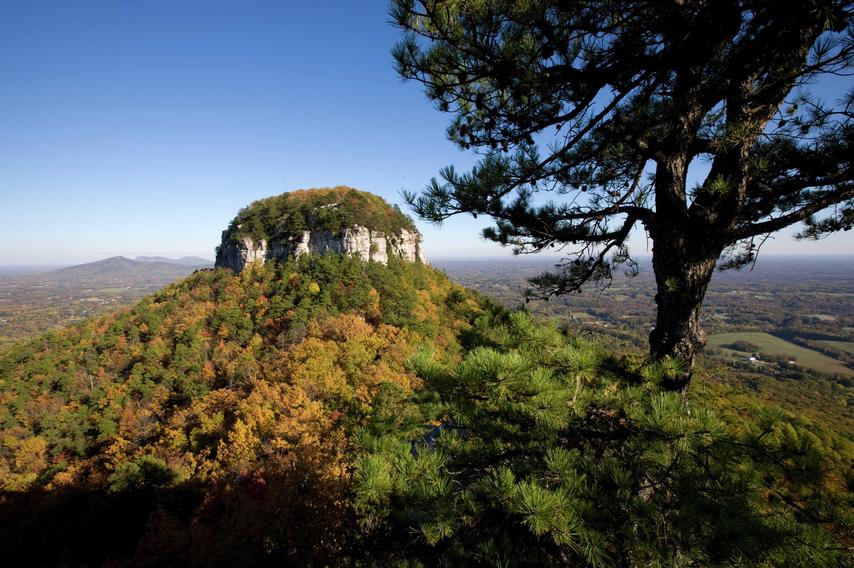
pixel 219 384
pixel 347 412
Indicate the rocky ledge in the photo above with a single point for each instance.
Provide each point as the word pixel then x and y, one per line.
pixel 236 254
pixel 338 220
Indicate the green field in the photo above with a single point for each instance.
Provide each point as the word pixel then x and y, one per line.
pixel 771 345
pixel 847 346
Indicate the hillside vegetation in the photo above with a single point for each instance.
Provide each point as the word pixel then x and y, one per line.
pixel 207 396
pixel 337 411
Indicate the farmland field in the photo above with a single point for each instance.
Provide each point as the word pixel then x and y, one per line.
pixel 847 346
pixel 771 345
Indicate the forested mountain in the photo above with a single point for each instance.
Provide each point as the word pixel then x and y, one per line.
pixel 319 209
pixel 119 266
pixel 222 400
pixel 326 410
pixel 334 219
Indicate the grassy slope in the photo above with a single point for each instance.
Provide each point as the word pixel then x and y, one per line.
pixel 776 346
pixel 847 346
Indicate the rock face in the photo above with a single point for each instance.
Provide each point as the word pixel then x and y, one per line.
pixel 338 220
pixel 237 254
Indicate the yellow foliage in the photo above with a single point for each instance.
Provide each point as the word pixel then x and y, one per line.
pixel 117 452
pixel 208 371
pixel 30 455
pixel 345 327
pixel 345 356
pixel 372 308
pixel 313 365
pixel 23 460
pixel 280 424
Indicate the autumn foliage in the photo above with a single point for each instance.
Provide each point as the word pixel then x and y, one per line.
pixel 332 411
pixel 227 401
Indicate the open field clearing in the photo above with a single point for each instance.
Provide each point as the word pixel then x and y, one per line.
pixel 847 346
pixel 771 345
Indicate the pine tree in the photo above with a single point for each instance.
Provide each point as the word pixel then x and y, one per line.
pixel 537 454
pixel 605 105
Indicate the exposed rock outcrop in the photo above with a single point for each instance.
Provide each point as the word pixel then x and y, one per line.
pixel 238 251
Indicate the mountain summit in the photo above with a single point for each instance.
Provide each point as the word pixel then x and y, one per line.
pixel 339 219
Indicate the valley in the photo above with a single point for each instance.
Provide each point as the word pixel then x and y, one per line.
pixel 781 333
pixel 33 301
pixel 801 308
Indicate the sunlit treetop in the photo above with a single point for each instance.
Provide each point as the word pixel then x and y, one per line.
pixel 324 209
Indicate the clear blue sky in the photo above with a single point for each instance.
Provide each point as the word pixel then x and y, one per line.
pixel 131 128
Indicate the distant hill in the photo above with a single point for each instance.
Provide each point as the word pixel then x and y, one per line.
pixel 121 267
pixel 195 261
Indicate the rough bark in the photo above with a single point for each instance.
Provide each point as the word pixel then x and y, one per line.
pixel 682 274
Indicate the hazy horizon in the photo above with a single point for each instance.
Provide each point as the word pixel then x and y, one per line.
pixel 438 258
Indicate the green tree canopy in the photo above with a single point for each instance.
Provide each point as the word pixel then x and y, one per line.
pixel 543 456
pixel 588 116
pixel 322 209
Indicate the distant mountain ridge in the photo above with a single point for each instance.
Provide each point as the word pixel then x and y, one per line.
pixel 33 301
pixel 125 267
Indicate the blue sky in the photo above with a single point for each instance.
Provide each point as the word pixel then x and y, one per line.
pixel 131 128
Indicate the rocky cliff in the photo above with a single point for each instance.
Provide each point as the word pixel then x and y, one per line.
pixel 337 220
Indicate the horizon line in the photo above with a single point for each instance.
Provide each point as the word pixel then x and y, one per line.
pixel 431 258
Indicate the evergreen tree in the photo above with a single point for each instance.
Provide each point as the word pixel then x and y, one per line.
pixel 626 96
pixel 539 453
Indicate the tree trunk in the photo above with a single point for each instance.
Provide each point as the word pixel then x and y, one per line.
pixel 682 276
